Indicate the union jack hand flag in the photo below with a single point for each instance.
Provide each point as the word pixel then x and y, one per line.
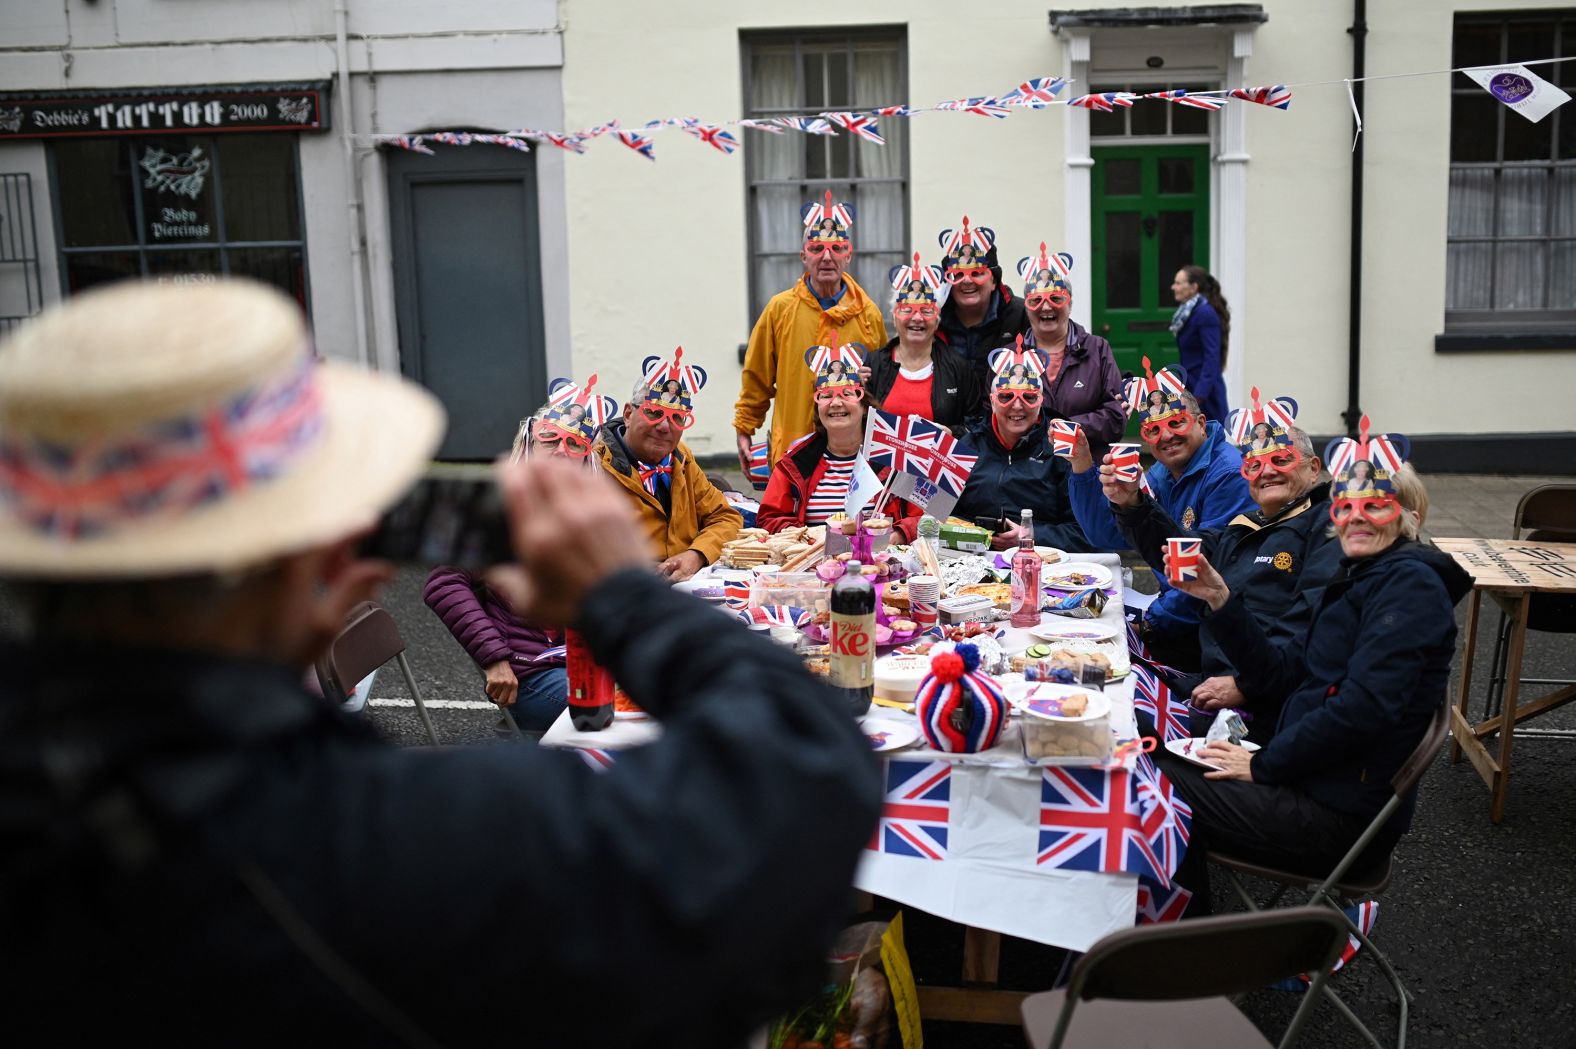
pixel 641 144
pixel 953 463
pixel 1151 696
pixel 1171 819
pixel 599 760
pixel 860 124
pixel 809 125
pixel 414 143
pixel 1034 94
pixel 1364 915
pixel 1180 96
pixel 715 137
pixel 914 816
pixel 1104 101
pixel 905 443
pixel 1092 819
pixel 1158 904
pixel 1135 644
pixel 760 466
pixel 1276 96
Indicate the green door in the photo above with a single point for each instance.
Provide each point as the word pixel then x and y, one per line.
pixel 1151 218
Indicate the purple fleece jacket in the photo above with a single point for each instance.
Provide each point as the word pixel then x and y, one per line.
pixel 486 627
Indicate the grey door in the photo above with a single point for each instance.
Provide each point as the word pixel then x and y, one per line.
pixel 467 278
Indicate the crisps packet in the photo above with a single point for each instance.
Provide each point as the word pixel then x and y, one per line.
pixel 1081 604
pixel 1228 727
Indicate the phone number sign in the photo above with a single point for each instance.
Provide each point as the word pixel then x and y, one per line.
pixel 282 107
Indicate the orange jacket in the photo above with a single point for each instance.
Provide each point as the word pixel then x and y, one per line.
pixel 774 368
pixel 701 519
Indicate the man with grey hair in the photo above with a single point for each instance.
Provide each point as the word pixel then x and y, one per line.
pixel 1279 557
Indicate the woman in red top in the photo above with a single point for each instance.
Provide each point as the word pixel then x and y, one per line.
pixel 907 376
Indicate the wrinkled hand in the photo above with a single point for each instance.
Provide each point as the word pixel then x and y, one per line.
pixel 1208 587
pixel 681 566
pixel 864 375
pixel 1217 693
pixel 571 529
pixel 1232 759
pixel 1008 539
pixel 1082 458
pixel 502 686
pixel 1118 491
pixel 744 453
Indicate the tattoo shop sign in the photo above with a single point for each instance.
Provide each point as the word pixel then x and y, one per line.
pixel 152 111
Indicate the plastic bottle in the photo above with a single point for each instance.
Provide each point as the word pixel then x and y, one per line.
pixel 590 686
pixel 853 627
pixel 1026 576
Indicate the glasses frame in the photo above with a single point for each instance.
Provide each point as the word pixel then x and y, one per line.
pixel 1266 462
pixel 841 392
pixel 1059 298
pixel 976 274
pixel 908 309
pixel 575 445
pixel 1170 422
pixel 1355 509
pixel 679 418
pixel 838 248
pixel 1003 397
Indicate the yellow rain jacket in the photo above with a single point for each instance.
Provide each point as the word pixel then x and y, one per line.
pixel 701 519
pixel 774 367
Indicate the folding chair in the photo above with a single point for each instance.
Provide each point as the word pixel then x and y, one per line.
pixel 1165 984
pixel 1343 887
pixel 1547 514
pixel 370 639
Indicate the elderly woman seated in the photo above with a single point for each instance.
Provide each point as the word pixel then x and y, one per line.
pixel 811 482
pixel 1371 672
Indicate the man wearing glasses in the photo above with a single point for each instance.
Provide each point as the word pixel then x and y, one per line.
pixel 1016 468
pixel 1196 479
pixel 687 518
pixel 825 307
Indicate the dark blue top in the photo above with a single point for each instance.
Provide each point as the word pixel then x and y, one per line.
pixel 1199 343
pixel 826 304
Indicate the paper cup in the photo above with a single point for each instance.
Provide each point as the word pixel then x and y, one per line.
pixel 1183 559
pixel 1064 435
pixel 924 593
pixel 1124 457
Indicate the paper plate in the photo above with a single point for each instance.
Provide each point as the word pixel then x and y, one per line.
pixel 1185 748
pixel 1054 576
pixel 885 735
pixel 1060 628
pixel 1043 699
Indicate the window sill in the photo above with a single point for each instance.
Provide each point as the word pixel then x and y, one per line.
pixel 1499 342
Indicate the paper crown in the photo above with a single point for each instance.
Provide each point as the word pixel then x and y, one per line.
pixel 967 246
pixel 826 220
pixel 1156 395
pixel 673 384
pixel 1366 466
pixel 1016 367
pixel 836 365
pixel 1045 272
pixel 575 410
pixel 960 710
pixel 1263 428
pixel 918 284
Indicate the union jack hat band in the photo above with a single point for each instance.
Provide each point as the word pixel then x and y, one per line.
pixel 158 430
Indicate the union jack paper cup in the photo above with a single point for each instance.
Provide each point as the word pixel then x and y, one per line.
pixel 923 594
pixel 1184 555
pixel 1064 435
pixel 1125 458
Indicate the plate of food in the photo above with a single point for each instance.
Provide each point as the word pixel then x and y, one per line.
pixel 1075 575
pixel 1074 655
pixel 1060 629
pixel 1055 702
pixel 1000 594
pixel 1190 749
pixel 885 735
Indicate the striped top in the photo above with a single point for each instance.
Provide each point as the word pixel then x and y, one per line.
pixel 831 492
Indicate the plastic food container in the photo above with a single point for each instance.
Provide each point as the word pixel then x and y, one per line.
pixel 1063 724
pixel 964 607
pixel 796 589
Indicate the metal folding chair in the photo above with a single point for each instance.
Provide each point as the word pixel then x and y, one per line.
pixel 1547 514
pixel 1165 984
pixel 370 639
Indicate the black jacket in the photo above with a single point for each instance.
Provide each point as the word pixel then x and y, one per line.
pixel 953 393
pixel 1374 665
pixel 1279 566
pixel 177 834
pixel 1006 481
pixel 1009 321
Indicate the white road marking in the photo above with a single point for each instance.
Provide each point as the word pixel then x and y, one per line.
pixel 436 704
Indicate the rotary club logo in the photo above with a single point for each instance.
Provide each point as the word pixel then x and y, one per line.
pixel 1188 517
pixel 1282 561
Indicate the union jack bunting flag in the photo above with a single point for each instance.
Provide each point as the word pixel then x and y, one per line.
pixel 566 142
pixel 860 124
pixel 598 131
pixel 1092 819
pixel 776 615
pixel 641 144
pixel 414 143
pixel 914 816
pixel 984 106
pixel 452 138
pixel 1151 696
pixel 1170 836
pixel 1034 94
pixel 1182 98
pixel 893 111
pixel 714 136
pixel 761 125
pixel 509 141
pixel 1104 101
pixel 905 443
pixel 1159 904
pixel 953 463
pixel 1276 96
pixel 809 125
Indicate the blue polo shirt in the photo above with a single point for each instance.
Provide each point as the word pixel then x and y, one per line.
pixel 826 304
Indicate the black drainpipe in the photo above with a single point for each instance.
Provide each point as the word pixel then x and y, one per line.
pixel 1354 358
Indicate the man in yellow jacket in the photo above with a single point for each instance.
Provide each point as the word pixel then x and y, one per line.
pixel 685 515
pixel 826 305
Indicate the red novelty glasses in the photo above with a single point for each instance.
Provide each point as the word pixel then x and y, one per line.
pixel 1377 510
pixel 551 437
pixel 909 309
pixel 1152 431
pixel 977 274
pixel 682 418
pixel 1030 398
pixel 1282 460
pixel 845 392
pixel 839 248
pixel 1057 297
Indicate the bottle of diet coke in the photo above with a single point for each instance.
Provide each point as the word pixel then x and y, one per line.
pixel 853 659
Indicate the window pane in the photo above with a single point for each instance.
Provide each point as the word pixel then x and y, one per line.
pixel 1121 259
pixel 1523 201
pixel 176 176
pixel 777 223
pixel 1476 45
pixel 772 81
pixel 1472 202
pixel 839 94
pixel 1525 140
pixel 184 267
pixel 1123 177
pixel 84 271
pixel 1176 249
pixel 261 198
pixel 870 271
pixel 1474 127
pixel 1176 174
pixel 96 205
pixel 1185 120
pixel 815 81
pixel 1149 117
pixel 1527 41
pixel 1562 286
pixel 878 222
pixel 284 268
pixel 1565 201
pixel 1565 73
pixel 774 274
pixel 1107 125
pixel 1519 275
pixel 1565 148
pixel 1467 276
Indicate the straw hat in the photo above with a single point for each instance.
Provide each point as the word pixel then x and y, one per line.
pixel 150 430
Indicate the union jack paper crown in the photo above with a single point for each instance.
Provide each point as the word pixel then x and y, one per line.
pixel 1016 367
pixel 967 246
pixel 960 710
pixel 576 410
pixel 672 384
pixel 1263 428
pixel 1046 272
pixel 827 220
pixel 1365 467
pixel 836 365
pixel 1156 395
pixel 918 284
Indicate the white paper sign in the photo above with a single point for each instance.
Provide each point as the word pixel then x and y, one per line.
pixel 862 487
pixel 1521 89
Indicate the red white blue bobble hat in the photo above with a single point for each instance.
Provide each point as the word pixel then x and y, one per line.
pixel 826 220
pixel 918 285
pixel 1365 467
pixel 1155 395
pixel 1264 428
pixel 153 430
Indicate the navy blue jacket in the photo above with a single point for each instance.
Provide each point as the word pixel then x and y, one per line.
pixel 1005 320
pixel 1199 345
pixel 1375 663
pixel 1209 494
pixel 1006 481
